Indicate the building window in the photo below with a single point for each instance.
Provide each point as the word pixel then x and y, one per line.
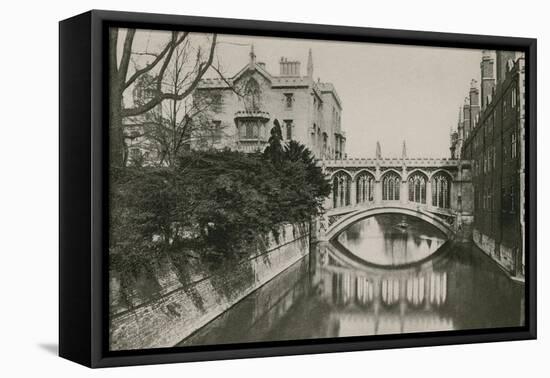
pixel 288 127
pixel 289 99
pixel 252 96
pixel 441 190
pixel 512 200
pixel 513 146
pixel 341 185
pixel 249 130
pixel 417 188
pixel 217 131
pixel 365 187
pixel 325 143
pixel 504 200
pixel 391 186
pixel 514 98
pixel 252 131
pixel 135 156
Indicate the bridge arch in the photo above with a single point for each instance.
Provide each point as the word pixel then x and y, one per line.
pixel 389 170
pixel 363 171
pixel 441 171
pixel 351 218
pixel 418 170
pixel 340 170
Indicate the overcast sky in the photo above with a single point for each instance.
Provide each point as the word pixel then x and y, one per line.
pixel 389 93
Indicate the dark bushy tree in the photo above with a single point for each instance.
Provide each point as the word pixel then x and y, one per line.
pixel 218 204
pixel 274 149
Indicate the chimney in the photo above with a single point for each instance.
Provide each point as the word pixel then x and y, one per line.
pixel 289 68
pixel 487 76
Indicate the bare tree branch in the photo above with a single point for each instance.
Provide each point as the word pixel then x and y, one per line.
pixel 203 67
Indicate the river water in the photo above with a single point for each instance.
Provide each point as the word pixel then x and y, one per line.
pixel 387 274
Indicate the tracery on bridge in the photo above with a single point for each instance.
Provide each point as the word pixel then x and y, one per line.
pixel 365 187
pixel 391 184
pixel 417 187
pixel 341 185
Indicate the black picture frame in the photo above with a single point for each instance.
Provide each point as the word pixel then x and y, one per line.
pixel 83 154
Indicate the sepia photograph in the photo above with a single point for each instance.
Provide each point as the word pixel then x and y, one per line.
pixel 269 189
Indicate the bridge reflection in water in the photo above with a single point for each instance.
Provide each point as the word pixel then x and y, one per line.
pixel 337 292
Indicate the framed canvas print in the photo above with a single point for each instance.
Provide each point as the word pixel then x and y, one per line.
pixel 234 188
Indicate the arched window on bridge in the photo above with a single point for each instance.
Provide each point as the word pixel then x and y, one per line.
pixel 365 187
pixel 417 188
pixel 341 185
pixel 441 190
pixel 391 186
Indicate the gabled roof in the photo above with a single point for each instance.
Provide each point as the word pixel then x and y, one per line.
pixel 276 81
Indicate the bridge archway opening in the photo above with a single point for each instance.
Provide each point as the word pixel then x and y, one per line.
pixel 364 182
pixel 348 220
pixel 417 183
pixel 441 190
pixel 391 186
pixel 341 189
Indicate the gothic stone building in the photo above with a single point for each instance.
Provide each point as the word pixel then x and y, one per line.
pixel 491 133
pixel 248 103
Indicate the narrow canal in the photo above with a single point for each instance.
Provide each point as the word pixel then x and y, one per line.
pixel 386 274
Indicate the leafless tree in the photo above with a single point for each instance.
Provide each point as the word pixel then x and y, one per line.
pixel 124 74
pixel 174 125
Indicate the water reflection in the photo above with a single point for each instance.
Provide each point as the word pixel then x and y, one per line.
pixel 332 293
pixel 391 239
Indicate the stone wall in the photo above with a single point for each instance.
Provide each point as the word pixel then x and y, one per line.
pixel 177 309
pixel 500 253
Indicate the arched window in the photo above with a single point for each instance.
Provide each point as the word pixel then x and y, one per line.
pixel 365 187
pixel 341 184
pixel 391 187
pixel 417 188
pixel 252 95
pixel 441 190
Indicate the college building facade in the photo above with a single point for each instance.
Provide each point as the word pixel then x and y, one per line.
pixel 491 134
pixel 309 111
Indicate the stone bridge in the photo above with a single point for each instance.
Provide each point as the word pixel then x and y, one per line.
pixel 438 191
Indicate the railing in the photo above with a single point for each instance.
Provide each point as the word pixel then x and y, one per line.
pixel 251 145
pixel 252 114
pixel 393 162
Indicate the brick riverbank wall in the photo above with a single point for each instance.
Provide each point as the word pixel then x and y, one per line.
pixel 175 310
